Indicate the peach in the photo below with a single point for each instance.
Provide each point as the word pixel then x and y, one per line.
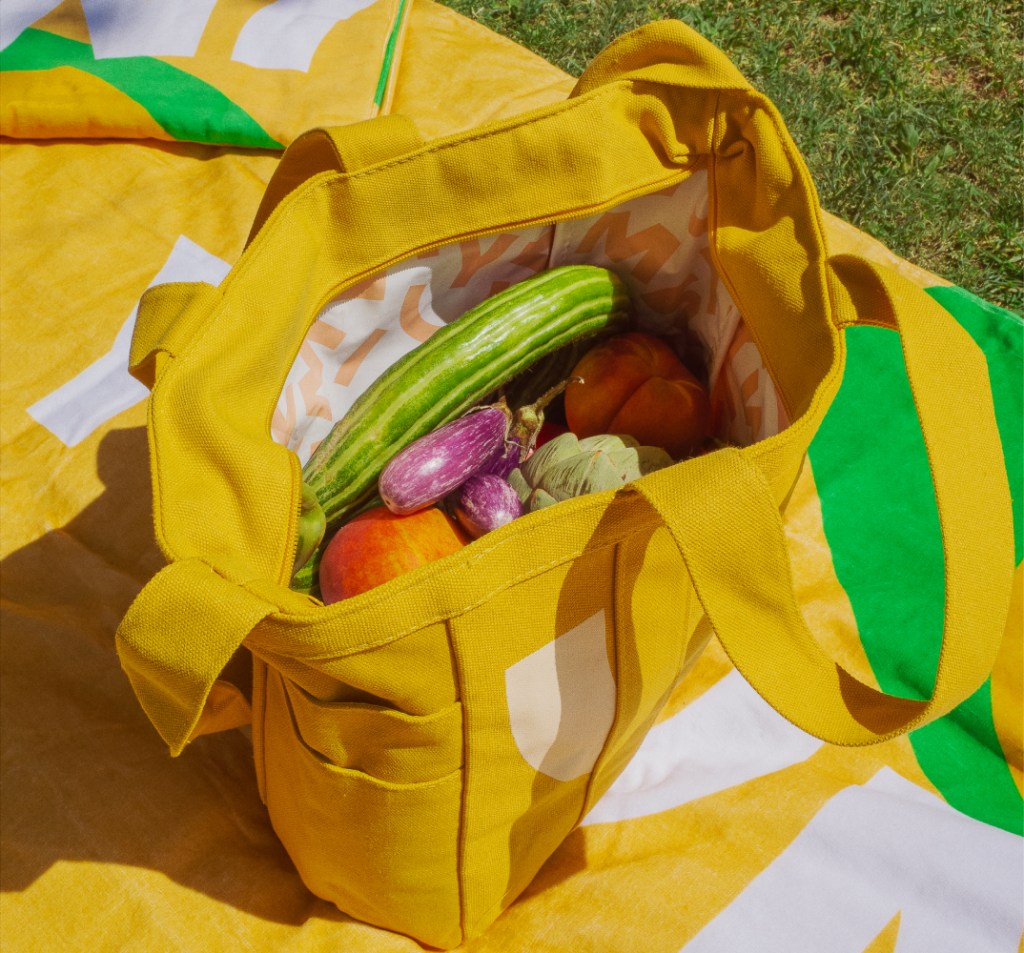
pixel 634 384
pixel 378 545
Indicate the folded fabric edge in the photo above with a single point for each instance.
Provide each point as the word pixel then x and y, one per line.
pixel 185 107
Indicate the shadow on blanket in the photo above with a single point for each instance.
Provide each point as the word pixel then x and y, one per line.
pixel 86 779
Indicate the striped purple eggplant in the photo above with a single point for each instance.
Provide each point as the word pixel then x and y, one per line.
pixel 483 503
pixel 436 464
pixel 522 432
pixel 503 463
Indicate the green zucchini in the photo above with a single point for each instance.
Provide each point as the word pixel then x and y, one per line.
pixel 454 369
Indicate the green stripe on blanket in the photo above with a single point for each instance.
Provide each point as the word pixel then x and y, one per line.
pixel 186 107
pixel 880 517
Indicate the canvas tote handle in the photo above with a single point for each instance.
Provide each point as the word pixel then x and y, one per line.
pixel 187 622
pixel 170 314
pixel 336 149
pixel 735 549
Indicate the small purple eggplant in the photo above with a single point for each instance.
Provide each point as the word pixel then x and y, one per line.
pixel 506 460
pixel 485 502
pixel 522 433
pixel 434 465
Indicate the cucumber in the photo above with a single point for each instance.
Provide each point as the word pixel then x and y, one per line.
pixel 454 369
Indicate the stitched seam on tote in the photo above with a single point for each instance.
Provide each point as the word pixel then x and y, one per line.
pixel 868 323
pixel 302 621
pixel 723 273
pixel 325 760
pixel 602 757
pixel 460 836
pixel 550 113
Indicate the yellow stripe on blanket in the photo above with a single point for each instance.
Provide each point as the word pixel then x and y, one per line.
pixel 68 99
pixel 1006 685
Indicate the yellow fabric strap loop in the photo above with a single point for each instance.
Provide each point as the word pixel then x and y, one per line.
pixel 168 317
pixel 177 636
pixel 735 547
pixel 336 149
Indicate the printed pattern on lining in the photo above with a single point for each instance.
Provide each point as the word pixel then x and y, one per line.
pixel 657 243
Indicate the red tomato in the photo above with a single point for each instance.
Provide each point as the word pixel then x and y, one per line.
pixel 635 384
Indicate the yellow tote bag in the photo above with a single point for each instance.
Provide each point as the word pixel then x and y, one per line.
pixel 424 747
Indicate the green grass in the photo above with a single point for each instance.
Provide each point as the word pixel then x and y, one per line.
pixel 910 113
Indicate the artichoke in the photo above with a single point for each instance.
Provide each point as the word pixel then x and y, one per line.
pixel 567 466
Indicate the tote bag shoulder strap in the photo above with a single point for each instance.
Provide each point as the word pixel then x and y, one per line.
pixel 336 149
pixel 171 313
pixel 176 638
pixel 735 550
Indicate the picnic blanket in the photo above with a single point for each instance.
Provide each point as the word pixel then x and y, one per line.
pixel 137 142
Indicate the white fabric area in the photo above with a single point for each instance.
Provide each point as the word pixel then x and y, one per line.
pixel 874 852
pixel 130 28
pixel 725 737
pixel 104 388
pixel 285 34
pixel 17 15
